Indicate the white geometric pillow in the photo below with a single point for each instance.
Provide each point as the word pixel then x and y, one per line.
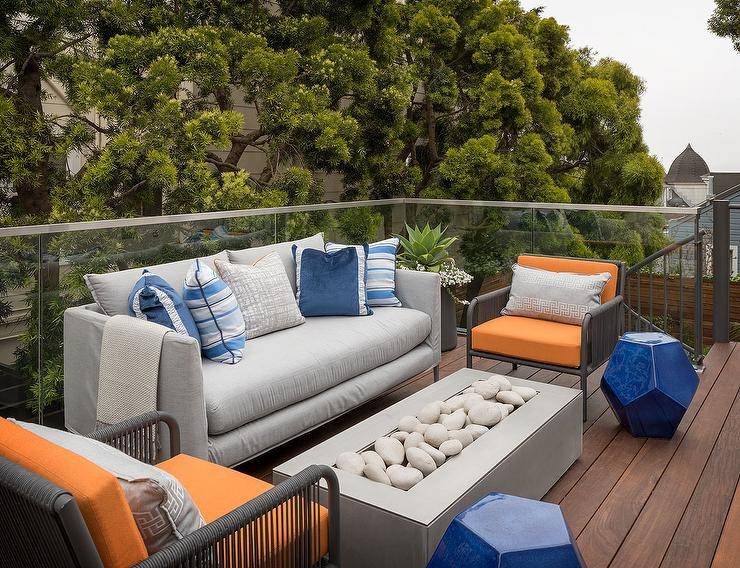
pixel 162 508
pixel 557 296
pixel 263 293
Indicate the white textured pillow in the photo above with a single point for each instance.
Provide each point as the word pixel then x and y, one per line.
pixel 162 508
pixel 263 293
pixel 557 296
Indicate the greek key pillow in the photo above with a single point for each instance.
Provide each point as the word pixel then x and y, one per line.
pixel 263 293
pixel 557 296
pixel 162 508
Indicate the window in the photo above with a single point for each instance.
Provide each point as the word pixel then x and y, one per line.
pixel 733 260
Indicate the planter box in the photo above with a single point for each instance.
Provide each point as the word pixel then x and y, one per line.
pixel 524 455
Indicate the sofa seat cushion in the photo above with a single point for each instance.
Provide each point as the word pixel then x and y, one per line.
pixel 218 490
pixel 285 367
pixel 98 494
pixel 530 339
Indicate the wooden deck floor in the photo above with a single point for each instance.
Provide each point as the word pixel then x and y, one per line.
pixel 630 501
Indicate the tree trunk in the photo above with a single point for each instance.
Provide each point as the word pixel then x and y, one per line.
pixel 33 193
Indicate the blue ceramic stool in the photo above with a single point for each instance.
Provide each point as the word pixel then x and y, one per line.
pixel 649 383
pixel 503 531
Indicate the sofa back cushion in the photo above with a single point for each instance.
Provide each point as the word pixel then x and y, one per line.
pixel 576 266
pixel 284 250
pixel 111 289
pixel 98 494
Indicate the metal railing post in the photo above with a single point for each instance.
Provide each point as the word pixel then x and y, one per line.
pixel 698 290
pixel 721 270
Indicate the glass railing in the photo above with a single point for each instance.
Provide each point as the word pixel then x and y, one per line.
pixel 42 268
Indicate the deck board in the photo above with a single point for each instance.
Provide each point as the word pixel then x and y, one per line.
pixel 629 501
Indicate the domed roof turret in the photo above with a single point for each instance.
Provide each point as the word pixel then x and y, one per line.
pixel 688 167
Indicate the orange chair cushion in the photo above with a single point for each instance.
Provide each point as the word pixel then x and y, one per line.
pixel 98 493
pixel 218 490
pixel 554 264
pixel 531 339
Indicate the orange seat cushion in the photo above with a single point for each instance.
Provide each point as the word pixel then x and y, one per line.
pixel 98 493
pixel 575 266
pixel 531 339
pixel 218 490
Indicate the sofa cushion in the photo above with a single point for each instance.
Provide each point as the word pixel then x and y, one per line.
pixel 530 339
pixel 98 494
pixel 294 364
pixel 111 289
pixel 218 490
pixel 285 250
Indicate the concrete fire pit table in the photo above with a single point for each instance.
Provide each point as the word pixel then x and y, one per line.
pixel 524 455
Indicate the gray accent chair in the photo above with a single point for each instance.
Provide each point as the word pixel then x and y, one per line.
pixel 600 328
pixel 288 383
pixel 42 525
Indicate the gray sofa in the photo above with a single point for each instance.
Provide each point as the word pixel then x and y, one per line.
pixel 288 382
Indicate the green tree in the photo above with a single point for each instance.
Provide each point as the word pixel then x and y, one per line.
pixel 725 21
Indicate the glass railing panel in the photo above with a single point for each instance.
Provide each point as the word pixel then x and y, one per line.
pixel 19 323
pixel 343 224
pixel 67 257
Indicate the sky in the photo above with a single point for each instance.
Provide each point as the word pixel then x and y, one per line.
pixel 692 77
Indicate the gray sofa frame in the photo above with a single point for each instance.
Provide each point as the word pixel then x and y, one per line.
pixel 42 525
pixel 180 387
pixel 600 330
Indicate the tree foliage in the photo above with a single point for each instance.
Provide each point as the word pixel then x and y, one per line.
pixel 725 21
pixel 450 98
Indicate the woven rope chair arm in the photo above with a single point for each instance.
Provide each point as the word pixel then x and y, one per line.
pixel 139 436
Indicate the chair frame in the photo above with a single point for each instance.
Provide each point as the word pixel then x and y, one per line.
pixel 44 526
pixel 600 329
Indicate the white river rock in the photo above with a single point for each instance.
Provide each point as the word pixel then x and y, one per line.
pixel 486 389
pixel 350 462
pixel 471 400
pixel 485 413
pixel 526 393
pixel 420 428
pixel 444 407
pixel 435 435
pixel 465 437
pixel 421 460
pixel 390 449
pixel 376 473
pixel 400 435
pixel 504 409
pixel 438 457
pixel 510 397
pixel 503 383
pixel 373 458
pixel 429 414
pixel 404 477
pixel 407 423
pixel 476 430
pixel 441 418
pixel 456 402
pixel 451 447
pixel 455 421
pixel 413 440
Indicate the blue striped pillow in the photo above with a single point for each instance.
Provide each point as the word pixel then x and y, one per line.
pixel 216 313
pixel 381 271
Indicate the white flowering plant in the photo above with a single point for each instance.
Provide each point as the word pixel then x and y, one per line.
pixel 425 250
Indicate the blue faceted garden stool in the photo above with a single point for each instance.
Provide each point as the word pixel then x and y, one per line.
pixel 503 531
pixel 649 383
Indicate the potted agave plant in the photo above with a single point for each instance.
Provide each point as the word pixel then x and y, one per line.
pixel 427 250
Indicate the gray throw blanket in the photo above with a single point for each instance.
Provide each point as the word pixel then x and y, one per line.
pixel 129 368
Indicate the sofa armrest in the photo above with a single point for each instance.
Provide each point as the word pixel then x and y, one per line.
pixel 601 328
pixel 422 291
pixel 180 386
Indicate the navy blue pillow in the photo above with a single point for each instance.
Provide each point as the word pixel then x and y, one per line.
pixel 332 283
pixel 153 299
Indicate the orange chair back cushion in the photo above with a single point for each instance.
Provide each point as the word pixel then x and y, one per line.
pixel 98 493
pixel 554 264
